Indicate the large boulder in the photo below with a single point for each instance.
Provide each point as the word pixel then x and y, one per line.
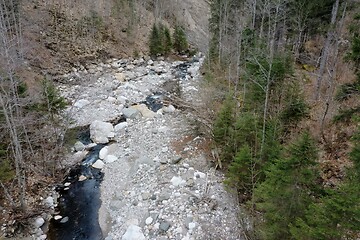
pixel 100 132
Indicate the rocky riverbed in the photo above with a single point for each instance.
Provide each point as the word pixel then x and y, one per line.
pixel 158 182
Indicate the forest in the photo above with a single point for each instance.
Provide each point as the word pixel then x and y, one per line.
pixel 290 114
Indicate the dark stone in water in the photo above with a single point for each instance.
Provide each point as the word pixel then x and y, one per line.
pixel 154 102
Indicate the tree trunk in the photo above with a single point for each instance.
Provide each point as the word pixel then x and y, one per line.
pixel 325 52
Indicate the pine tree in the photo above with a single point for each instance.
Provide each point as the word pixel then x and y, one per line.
pixel 167 42
pixel 242 172
pixel 180 41
pixel 287 191
pixel 336 215
pixel 155 42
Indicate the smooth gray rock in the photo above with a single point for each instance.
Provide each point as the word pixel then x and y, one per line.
pixel 164 226
pixel 64 220
pixel 79 146
pixel 39 222
pixel 131 113
pixel 81 103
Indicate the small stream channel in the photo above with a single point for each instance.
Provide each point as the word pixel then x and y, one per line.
pixel 79 202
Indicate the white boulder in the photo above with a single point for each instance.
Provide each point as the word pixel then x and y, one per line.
pixel 100 132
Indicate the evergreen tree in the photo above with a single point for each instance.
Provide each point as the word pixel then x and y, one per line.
pixel 155 42
pixel 288 189
pixel 337 214
pixel 180 41
pixel 167 41
pixel 242 172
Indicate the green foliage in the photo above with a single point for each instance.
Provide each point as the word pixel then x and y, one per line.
pixel 348 90
pixel 160 42
pixel 224 122
pixel 6 171
pixel 167 41
pixel 52 101
pixel 288 189
pixel 155 44
pixel 259 71
pixel 294 111
pixel 337 214
pixel 180 41
pixel 346 115
pixel 241 174
pixel 22 89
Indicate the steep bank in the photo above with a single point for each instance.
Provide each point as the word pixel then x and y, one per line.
pixel 60 35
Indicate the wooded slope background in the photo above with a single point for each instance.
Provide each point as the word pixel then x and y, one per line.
pixel 287 131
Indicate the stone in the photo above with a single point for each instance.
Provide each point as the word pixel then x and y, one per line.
pixel 111 99
pixel 98 164
pixel 133 232
pixel 103 153
pixel 39 222
pixel 176 160
pixel 64 220
pixel 57 217
pixel 163 161
pixel 199 175
pixel 177 181
pixel 164 196
pixel 169 109
pixel 144 110
pixel 120 77
pixel 164 226
pixel 121 126
pixel 79 146
pixel 131 113
pixel 191 226
pixel 122 99
pixel 145 196
pixel 67 184
pixel 42 237
pixel 100 132
pixel 111 159
pixel 150 62
pixel 90 146
pixel 82 178
pixel 49 202
pixel 81 103
pixel 149 221
pixel 130 67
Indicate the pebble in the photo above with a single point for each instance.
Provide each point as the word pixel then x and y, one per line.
pixel 148 221
pixel 164 226
pixel 39 222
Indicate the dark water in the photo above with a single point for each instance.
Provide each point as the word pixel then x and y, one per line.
pixel 80 203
